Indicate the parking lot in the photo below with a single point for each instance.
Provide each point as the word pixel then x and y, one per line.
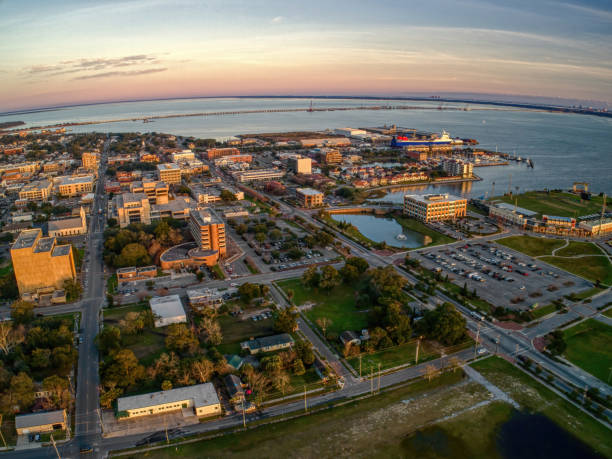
pixel 501 276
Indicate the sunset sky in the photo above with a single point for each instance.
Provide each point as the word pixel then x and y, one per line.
pixel 58 53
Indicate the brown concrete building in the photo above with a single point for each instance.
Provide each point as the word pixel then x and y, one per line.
pixel 307 197
pixel 36 191
pixel 90 160
pixel 213 153
pixel 132 208
pixel 39 263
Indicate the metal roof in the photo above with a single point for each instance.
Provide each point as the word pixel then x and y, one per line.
pixel 39 419
pixel 201 394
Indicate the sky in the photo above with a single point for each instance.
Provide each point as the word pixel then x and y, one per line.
pixel 69 52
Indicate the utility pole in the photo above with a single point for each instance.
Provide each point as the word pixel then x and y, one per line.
pixel 497 343
pixel 55 447
pixel 378 377
pixel 371 381
pixel 477 336
pixel 243 416
pixel 359 366
pixel 1 435
pixel 100 418
pixel 416 357
pixel 166 429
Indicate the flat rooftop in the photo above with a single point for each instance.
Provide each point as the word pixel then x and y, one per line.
pixel 37 185
pixel 26 238
pixel 520 210
pixel 168 167
pixel 71 180
pixel 201 394
pixel 61 250
pixel 205 217
pixel 39 419
pixel 433 198
pixel 308 191
pixel 167 306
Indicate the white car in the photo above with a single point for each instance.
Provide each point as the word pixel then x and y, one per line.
pixel 234 284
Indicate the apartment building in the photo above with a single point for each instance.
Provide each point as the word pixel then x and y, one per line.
pixel 39 190
pixel 330 156
pixel 132 208
pixel 300 165
pixel 434 207
pixel 40 263
pixel 458 168
pixel 90 160
pixel 258 174
pixel 208 231
pixel 307 197
pixel 75 185
pixel 169 173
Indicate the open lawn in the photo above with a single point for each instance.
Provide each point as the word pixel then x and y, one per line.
pixel 556 203
pixel 592 267
pixel 589 346
pixel 608 313
pixel 532 246
pixel 579 248
pixel 114 315
pixel 415 225
pixel 236 330
pixel 373 427
pixel 338 305
pixel 535 397
pixel 542 311
pixel 393 356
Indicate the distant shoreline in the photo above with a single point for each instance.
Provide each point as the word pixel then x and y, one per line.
pixel 530 106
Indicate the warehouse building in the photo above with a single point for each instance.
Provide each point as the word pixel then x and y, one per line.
pixel 167 310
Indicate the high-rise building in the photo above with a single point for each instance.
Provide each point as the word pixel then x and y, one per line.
pixel 208 231
pixel 330 156
pixel 40 263
pixel 300 165
pixel 156 191
pixel 132 208
pixel 458 168
pixel 434 207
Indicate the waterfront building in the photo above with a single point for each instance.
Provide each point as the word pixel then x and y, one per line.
pixel 36 191
pixel 597 227
pixel 75 185
pixel 307 197
pixel 90 160
pixel 40 263
pixel 208 231
pixel 167 310
pixel 69 226
pixel 434 207
pixel 132 208
pixel 458 168
pixel 169 173
pixel 258 174
pixel 507 216
pixel 325 142
pixel 561 222
pixel 202 398
pixel 156 191
pixel 213 153
pixel 300 165
pixel 350 132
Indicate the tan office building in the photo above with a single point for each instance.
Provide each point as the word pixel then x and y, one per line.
pixel 434 207
pixel 208 231
pixel 90 160
pixel 156 191
pixel 36 191
pixel 202 398
pixel 132 208
pixel 169 173
pixel 307 197
pixel 75 185
pixel 39 263
pixel 300 165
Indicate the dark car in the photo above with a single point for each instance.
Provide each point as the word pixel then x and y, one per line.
pixel 86 449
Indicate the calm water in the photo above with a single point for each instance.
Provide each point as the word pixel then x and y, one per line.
pixel 380 229
pixel 522 436
pixel 564 147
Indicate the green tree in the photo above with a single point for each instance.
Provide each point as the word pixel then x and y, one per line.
pixel 59 391
pixel 349 274
pixel 444 324
pixel 311 277
pixel 248 292
pixel 329 278
pixel 133 254
pixel 285 321
pixel 40 358
pixel 22 391
pixel 166 385
pixel 227 196
pixel 181 339
pixel 304 351
pixel 359 263
pixel 556 342
pixel 260 237
pixel 298 367
pixel 122 369
pixel 109 339
pixel 22 312
pixel 73 289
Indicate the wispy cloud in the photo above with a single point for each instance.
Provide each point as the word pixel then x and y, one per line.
pixel 88 65
pixel 120 73
pixel 277 19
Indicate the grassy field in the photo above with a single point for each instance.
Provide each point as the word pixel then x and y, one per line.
pixel 608 312
pixel 351 231
pixel 593 268
pixel 579 248
pixel 588 346
pixel 338 305
pixel 535 397
pixel 556 203
pixel 373 427
pixel 235 330
pixel 392 357
pixel 532 246
pixel 588 293
pixel 415 225
pixel 543 311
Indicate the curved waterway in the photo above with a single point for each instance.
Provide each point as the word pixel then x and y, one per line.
pixel 379 229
